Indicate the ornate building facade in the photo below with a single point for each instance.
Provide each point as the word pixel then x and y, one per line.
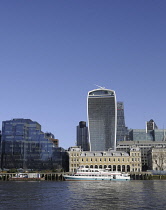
pixel 115 160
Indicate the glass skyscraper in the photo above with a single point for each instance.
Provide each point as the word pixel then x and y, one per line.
pixel 102 119
pixel 121 129
pixel 82 136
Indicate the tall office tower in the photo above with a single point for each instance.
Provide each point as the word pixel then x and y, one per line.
pixel 102 119
pixel 121 129
pixel 82 136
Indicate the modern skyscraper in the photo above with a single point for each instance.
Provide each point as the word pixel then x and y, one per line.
pixel 102 119
pixel 82 136
pixel 121 129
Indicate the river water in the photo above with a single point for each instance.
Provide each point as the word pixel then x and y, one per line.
pixel 48 195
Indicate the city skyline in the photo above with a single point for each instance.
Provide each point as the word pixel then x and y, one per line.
pixel 52 53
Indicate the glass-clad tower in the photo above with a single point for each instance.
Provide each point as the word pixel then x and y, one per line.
pixel 82 136
pixel 121 129
pixel 102 119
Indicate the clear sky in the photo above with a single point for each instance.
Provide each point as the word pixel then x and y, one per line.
pixel 53 52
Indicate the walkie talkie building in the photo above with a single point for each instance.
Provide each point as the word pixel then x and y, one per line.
pixel 102 119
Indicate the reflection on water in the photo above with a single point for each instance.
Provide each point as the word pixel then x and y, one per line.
pixel 83 195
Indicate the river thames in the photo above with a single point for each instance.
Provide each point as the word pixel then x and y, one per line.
pixel 83 195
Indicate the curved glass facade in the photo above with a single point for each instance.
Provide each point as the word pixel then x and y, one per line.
pixel 25 146
pixel 102 119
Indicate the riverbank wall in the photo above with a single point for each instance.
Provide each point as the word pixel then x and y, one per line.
pixel 59 177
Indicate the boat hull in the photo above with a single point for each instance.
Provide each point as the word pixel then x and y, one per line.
pixel 84 178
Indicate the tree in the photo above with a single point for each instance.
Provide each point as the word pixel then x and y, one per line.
pixel 159 159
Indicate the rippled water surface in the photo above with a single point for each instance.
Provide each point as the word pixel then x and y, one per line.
pixel 83 195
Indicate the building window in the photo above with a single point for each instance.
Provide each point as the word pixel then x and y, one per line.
pixel 123 168
pixel 119 168
pixel 128 168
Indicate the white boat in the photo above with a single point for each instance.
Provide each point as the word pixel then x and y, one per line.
pixel 88 174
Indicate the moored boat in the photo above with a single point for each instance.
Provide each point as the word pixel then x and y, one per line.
pixel 88 174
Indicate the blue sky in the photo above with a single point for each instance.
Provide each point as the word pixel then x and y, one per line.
pixel 53 52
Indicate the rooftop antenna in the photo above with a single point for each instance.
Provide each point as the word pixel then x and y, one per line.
pixel 100 86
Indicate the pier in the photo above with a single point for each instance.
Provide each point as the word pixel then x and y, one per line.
pixel 43 176
pixel 59 176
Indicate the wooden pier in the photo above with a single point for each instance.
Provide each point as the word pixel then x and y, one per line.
pixel 43 176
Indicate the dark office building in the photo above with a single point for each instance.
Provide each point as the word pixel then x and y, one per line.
pixel 25 146
pixel 121 129
pixel 82 136
pixel 102 119
pixel 151 125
